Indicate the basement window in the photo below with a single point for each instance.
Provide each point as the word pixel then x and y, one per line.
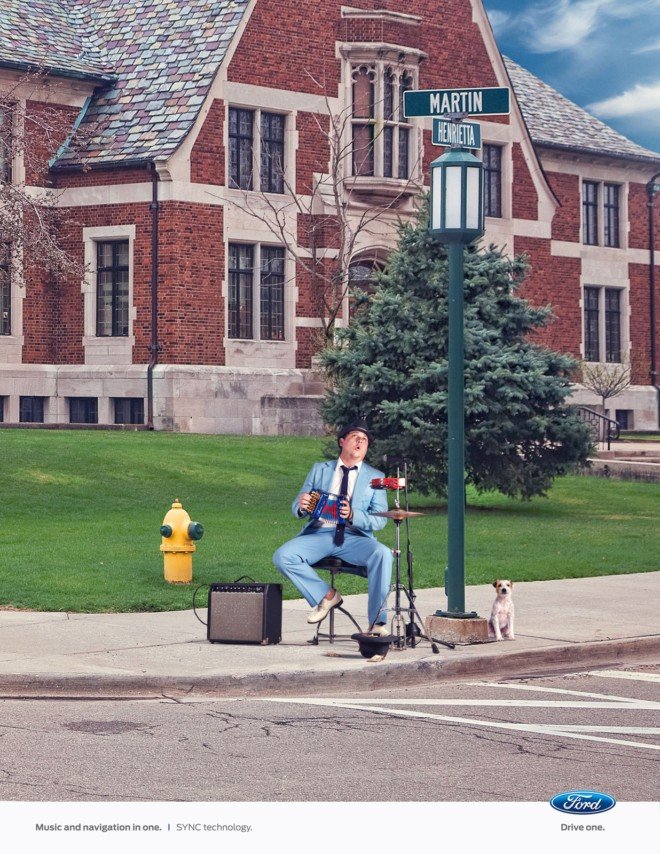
pixel 31 410
pixel 83 410
pixel 129 410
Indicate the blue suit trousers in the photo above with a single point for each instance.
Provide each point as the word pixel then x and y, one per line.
pixel 294 559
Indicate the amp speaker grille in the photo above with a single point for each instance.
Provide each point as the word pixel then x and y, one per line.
pixel 245 613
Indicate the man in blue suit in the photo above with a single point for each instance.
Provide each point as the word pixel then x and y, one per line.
pixel 348 535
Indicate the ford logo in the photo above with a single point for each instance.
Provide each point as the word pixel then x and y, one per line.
pixel 584 803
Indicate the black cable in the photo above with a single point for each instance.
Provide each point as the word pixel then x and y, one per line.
pixel 193 603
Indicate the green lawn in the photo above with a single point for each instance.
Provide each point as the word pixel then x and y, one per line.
pixel 81 512
pixel 639 437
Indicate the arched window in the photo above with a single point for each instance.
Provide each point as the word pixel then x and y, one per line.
pixel 361 272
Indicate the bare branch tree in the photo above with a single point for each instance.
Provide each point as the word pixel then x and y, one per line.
pixel 31 133
pixel 606 379
pixel 321 224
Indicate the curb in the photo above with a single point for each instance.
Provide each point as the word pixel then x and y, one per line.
pixel 368 677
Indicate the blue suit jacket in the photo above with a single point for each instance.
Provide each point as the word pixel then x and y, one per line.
pixel 364 502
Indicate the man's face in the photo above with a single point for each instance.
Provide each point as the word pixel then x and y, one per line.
pixel 354 447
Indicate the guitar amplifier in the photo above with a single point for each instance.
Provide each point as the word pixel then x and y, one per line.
pixel 245 613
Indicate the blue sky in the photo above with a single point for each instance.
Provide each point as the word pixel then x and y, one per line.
pixel 602 54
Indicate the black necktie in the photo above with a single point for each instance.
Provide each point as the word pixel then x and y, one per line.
pixel 343 494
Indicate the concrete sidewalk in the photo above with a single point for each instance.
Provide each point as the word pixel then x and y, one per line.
pixel 569 624
pixel 627 448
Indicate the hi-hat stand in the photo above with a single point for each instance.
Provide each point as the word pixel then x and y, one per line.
pixel 411 632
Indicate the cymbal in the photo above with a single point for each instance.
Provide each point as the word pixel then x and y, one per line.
pixel 398 513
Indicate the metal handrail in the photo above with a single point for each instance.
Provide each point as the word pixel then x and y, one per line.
pixel 606 429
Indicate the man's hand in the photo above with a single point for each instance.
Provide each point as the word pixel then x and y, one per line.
pixel 304 502
pixel 345 509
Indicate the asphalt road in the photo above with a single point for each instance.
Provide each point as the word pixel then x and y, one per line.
pixel 518 740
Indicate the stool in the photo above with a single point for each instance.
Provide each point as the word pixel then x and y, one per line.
pixel 336 566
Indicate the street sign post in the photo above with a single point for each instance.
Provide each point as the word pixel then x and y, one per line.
pixel 457 134
pixel 491 101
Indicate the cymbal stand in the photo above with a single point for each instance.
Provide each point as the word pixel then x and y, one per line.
pixel 407 634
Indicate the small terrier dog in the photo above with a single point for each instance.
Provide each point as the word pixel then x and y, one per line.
pixel 500 623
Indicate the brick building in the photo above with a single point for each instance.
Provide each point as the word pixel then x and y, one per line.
pixel 203 135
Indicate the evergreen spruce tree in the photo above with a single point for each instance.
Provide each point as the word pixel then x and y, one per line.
pixel 390 367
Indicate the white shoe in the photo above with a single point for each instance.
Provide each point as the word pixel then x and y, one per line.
pixel 323 608
pixel 379 629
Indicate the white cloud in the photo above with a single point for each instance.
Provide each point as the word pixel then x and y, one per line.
pixel 563 24
pixel 642 101
pixel 648 48
pixel 500 21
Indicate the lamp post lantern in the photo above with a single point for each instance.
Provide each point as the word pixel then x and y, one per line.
pixel 457 191
pixel 457 218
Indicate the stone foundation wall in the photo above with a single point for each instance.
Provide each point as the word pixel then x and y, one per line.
pixel 187 399
pixel 218 399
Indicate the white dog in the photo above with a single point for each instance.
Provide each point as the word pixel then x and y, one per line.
pixel 500 623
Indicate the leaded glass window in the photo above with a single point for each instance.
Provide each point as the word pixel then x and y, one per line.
pixel 590 213
pixel 241 274
pixel 611 219
pixel 272 293
pixel 112 288
pixel 272 153
pixel 492 160
pixel 381 133
pixel 241 140
pixel 591 325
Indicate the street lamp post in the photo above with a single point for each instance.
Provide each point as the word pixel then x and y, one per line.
pixel 652 189
pixel 457 218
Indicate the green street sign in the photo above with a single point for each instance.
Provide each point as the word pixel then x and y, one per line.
pixel 462 134
pixel 493 101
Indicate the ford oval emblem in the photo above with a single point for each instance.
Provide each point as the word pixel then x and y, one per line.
pixel 582 802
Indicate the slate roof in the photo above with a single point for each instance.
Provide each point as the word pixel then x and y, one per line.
pixel 45 34
pixel 162 55
pixel 556 122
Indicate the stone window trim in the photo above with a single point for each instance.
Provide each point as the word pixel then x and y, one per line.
pixel 380 15
pixel 12 294
pixel 12 168
pixel 603 213
pixel 12 163
pixel 257 325
pixel 605 324
pixel 8 116
pixel 259 112
pixel 106 349
pixel 383 61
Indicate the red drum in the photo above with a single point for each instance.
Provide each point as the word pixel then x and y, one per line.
pixel 388 483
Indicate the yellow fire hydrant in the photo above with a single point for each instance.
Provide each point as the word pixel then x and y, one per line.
pixel 177 545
